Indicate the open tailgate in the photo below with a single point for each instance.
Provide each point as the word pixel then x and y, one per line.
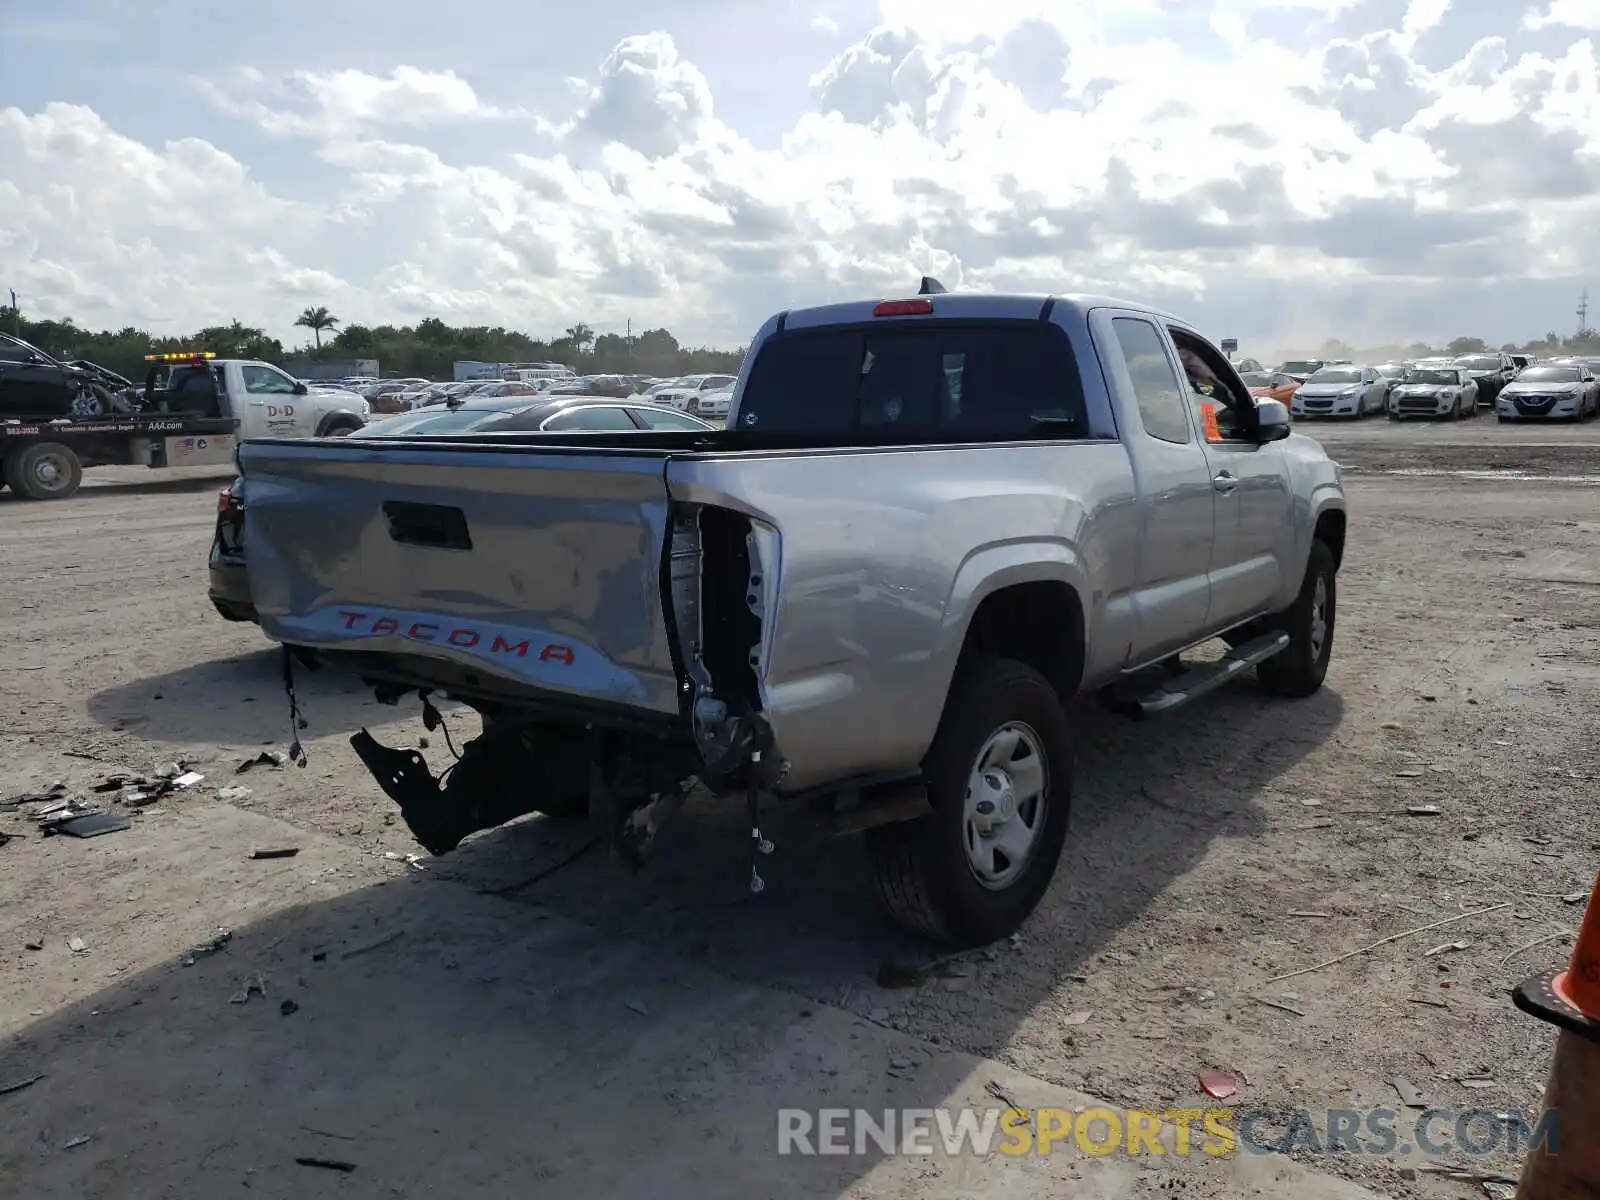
pixel 532 566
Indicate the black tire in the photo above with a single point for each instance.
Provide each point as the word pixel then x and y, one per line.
pixel 340 429
pixel 920 868
pixel 43 471
pixel 1505 420
pixel 1394 416
pixel 1298 670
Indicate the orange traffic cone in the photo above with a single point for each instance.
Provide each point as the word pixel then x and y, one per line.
pixel 1566 1166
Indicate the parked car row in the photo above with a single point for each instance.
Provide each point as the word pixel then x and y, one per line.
pixel 1515 387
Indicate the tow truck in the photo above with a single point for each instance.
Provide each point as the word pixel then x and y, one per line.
pixel 193 410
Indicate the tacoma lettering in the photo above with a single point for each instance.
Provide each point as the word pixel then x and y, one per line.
pixel 461 637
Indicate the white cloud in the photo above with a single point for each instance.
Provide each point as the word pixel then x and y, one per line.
pixel 1271 191
pixel 1574 14
pixel 343 103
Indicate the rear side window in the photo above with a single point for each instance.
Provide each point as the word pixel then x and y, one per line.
pixel 998 380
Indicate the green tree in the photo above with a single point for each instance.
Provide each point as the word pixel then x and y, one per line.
pixel 317 320
pixel 430 348
pixel 1466 345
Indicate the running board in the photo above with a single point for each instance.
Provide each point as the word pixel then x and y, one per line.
pixel 1191 683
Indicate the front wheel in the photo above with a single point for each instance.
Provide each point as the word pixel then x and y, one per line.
pixel 1299 669
pixel 999 779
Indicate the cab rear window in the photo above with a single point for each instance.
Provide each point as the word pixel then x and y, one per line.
pixel 923 380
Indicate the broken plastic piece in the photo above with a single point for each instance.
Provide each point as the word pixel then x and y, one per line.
pixel 1219 1085
pixel 93 825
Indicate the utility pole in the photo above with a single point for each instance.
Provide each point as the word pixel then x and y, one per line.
pixel 16 314
pixel 1583 311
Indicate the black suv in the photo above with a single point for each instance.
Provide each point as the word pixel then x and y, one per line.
pixel 1492 370
pixel 34 386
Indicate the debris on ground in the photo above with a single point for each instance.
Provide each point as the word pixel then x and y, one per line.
pixel 288 1008
pixel 637 1006
pixel 1408 1093
pixel 77 945
pixel 18 1085
pixel 1394 937
pixel 92 825
pixel 206 949
pixel 256 985
pixel 1279 1005
pixel 55 791
pixel 233 795
pixel 1440 949
pixel 369 947
pixel 327 1164
pixel 9 837
pixel 1538 941
pixel 267 758
pixel 1218 1084
pixel 1076 1018
pixel 138 791
pixel 83 1139
pixel 999 1093
pixel 278 852
pixel 1423 810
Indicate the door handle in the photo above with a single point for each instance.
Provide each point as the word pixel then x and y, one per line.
pixel 1224 481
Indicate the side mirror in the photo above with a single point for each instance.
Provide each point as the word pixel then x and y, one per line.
pixel 34 359
pixel 300 389
pixel 1272 421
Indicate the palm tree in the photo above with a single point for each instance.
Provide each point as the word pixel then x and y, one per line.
pixel 579 337
pixel 317 319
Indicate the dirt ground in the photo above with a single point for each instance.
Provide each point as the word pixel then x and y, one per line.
pixel 459 1030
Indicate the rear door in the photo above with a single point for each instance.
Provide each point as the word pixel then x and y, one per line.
pixel 1172 580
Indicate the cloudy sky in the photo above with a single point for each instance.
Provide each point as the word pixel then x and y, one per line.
pixel 1277 170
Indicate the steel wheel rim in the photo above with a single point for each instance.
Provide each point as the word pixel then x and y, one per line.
pixel 50 473
pixel 1006 805
pixel 1319 617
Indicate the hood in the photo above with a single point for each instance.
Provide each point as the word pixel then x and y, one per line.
pixel 1328 389
pixel 1427 387
pixel 1480 373
pixel 1536 388
pixel 335 393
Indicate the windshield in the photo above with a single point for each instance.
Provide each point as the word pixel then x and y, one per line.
pixel 1550 375
pixel 1256 379
pixel 1392 370
pixel 1301 366
pixel 1446 375
pixel 1479 363
pixel 1337 375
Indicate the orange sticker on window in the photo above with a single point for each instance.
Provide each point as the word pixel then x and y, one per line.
pixel 1208 422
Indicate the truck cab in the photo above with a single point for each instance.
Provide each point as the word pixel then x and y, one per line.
pixel 262 400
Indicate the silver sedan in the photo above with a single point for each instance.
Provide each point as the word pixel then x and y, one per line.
pixel 1342 391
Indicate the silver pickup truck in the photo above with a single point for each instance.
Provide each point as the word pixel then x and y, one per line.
pixel 928 525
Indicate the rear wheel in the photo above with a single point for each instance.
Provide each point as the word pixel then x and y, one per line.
pixel 999 778
pixel 43 471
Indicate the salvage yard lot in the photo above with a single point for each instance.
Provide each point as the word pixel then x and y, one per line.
pixel 592 1034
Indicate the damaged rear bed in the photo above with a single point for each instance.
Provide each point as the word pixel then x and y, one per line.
pixel 609 634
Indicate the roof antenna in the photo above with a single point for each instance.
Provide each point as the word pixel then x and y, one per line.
pixel 931 287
